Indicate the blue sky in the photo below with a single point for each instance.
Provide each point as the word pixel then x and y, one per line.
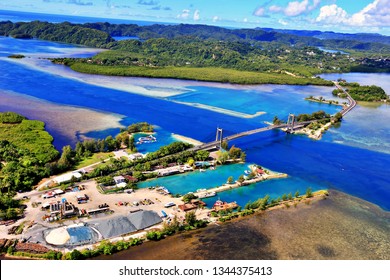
pixel 335 15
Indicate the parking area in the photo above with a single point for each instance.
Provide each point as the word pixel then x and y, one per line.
pixel 119 203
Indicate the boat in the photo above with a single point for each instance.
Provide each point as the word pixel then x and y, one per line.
pixel 163 189
pixel 207 194
pixel 202 170
pixel 247 172
pixel 147 139
pixel 220 205
pixel 164 215
pixel 201 190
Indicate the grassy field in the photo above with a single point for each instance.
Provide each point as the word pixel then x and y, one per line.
pixel 98 157
pixel 209 74
pixel 30 135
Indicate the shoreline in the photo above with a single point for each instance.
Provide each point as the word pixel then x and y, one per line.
pixel 63 119
pixel 214 74
pixel 329 102
pixel 268 235
pixel 317 135
pixel 257 179
pixel 318 195
pixel 186 139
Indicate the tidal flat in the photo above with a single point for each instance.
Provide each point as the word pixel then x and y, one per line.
pixel 62 121
pixel 341 227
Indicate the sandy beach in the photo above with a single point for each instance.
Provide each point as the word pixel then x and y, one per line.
pixel 236 184
pixel 186 139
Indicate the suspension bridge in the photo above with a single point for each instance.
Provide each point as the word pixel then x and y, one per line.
pixel 290 126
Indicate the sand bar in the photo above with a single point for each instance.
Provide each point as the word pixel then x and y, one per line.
pixel 222 110
pixel 186 139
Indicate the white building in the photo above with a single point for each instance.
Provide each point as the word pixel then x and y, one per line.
pixel 67 177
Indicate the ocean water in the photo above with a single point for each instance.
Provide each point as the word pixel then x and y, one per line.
pixel 273 100
pixel 379 79
pixel 16 16
pixel 353 158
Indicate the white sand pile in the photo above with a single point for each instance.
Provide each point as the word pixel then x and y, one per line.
pixel 58 236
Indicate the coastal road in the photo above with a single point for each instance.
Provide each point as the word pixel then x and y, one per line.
pixel 352 102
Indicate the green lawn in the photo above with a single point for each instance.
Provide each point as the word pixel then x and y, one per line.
pixel 98 157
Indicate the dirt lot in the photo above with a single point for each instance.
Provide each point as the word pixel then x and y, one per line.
pixel 120 203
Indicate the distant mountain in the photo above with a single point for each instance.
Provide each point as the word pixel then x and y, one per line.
pixel 329 35
pixel 206 32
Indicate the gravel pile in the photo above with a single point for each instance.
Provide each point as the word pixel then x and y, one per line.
pixel 116 226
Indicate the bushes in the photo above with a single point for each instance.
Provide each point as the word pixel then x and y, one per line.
pixel 210 74
pixel 11 118
pixel 155 235
pixel 104 248
pixel 140 127
pixel 309 193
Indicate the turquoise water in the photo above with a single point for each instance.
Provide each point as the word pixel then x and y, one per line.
pixel 379 79
pixel 336 162
pixel 191 181
pixel 273 100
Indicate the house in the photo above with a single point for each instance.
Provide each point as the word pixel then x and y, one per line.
pixel 120 153
pixel 187 207
pixel 136 156
pixel 194 204
pixel 131 179
pixel 119 179
pixel 68 210
pixel 260 171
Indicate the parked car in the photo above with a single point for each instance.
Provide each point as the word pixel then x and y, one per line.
pixel 169 204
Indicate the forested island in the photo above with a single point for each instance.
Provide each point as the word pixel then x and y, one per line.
pixel 362 93
pixel 207 53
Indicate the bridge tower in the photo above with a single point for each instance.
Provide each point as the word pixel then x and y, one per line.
pixel 219 136
pixel 290 123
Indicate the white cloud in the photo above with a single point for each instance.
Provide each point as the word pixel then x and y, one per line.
pixel 184 14
pixel 275 9
pixel 245 20
pixel 259 12
pixel 282 22
pixel 374 14
pixel 295 8
pixel 216 18
pixel 196 15
pixel 332 14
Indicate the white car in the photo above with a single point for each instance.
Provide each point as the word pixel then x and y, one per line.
pixel 169 204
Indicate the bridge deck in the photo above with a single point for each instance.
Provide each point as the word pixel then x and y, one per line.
pixel 352 104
